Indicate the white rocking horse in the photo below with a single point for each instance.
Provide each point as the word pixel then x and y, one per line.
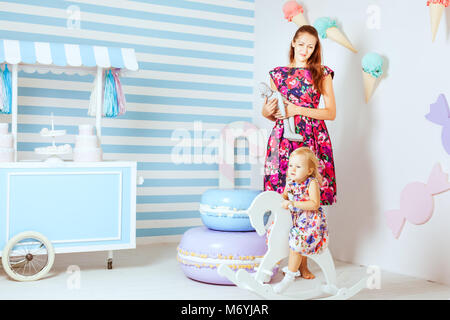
pixel 278 249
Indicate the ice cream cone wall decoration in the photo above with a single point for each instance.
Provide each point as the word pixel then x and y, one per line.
pixel 327 28
pixel 293 12
pixel 372 69
pixel 436 10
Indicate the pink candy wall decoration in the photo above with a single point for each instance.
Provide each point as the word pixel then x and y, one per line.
pixel 440 114
pixel 416 201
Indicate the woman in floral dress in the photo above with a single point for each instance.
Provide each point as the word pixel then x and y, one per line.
pixel 302 84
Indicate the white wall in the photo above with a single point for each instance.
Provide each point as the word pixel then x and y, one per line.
pixel 382 146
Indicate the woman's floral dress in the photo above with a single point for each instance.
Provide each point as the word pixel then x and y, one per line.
pixel 296 85
pixel 309 233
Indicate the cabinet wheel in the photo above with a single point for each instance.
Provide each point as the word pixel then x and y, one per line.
pixel 28 256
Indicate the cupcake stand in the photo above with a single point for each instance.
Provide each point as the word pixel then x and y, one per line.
pixel 56 206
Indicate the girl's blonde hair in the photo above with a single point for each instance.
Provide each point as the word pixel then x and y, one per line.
pixel 313 162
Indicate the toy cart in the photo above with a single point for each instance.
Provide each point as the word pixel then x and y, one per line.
pixel 62 207
pixel 48 208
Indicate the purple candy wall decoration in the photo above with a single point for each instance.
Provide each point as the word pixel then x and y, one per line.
pixel 440 114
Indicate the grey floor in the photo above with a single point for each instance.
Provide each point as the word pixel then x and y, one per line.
pixel 152 272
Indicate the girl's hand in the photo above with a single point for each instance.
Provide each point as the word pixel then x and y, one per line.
pixel 285 204
pixel 270 107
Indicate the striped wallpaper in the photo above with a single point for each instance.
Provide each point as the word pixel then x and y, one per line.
pixel 196 62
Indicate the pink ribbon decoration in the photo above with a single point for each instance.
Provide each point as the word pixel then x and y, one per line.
pixel 120 95
pixel 416 201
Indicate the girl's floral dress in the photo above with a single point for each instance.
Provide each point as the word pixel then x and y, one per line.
pixel 295 84
pixel 309 234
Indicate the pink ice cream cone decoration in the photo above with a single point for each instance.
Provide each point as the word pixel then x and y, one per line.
pixel 416 201
pixel 293 12
pixel 437 8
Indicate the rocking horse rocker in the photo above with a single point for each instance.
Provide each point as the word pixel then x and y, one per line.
pixel 277 250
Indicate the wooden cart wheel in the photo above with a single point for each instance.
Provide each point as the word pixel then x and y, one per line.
pixel 28 256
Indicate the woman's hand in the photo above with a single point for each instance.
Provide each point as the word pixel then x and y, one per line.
pixel 326 113
pixel 290 109
pixel 285 204
pixel 270 108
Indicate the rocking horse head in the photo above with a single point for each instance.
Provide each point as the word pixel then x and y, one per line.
pixel 264 202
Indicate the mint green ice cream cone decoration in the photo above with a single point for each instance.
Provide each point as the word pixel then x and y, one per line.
pixel 327 29
pixel 372 69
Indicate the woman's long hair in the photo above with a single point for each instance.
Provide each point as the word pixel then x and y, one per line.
pixel 314 63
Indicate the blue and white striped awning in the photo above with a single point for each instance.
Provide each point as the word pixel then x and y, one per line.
pixel 66 55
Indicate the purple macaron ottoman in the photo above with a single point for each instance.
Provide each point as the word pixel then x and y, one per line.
pixel 202 250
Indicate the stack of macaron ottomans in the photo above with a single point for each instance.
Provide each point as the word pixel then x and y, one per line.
pixel 227 237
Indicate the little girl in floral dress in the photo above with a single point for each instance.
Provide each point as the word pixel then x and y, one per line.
pixel 309 234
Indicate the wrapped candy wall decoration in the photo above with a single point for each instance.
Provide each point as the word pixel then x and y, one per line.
pixel 416 201
pixel 440 114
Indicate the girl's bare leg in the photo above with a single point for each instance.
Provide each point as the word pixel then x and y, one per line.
pixel 303 268
pixel 295 260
